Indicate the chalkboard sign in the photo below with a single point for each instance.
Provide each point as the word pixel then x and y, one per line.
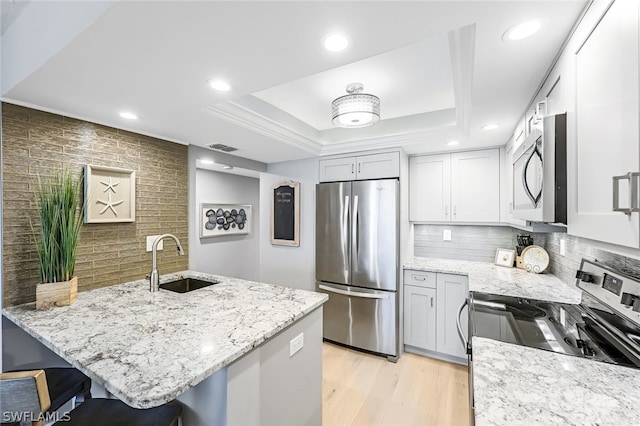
pixel 285 214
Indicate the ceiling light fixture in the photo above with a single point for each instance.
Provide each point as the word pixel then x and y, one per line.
pixel 490 126
pixel 220 85
pixel 227 167
pixel 356 109
pixel 206 161
pixel 522 30
pixel 128 115
pixel 452 143
pixel 336 42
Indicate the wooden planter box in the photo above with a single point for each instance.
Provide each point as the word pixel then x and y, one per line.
pixel 56 294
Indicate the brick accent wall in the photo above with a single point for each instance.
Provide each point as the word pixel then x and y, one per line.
pixel 35 143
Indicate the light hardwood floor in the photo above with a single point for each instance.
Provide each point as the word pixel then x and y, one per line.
pixel 363 389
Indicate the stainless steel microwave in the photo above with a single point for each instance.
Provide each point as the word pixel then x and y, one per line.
pixel 540 173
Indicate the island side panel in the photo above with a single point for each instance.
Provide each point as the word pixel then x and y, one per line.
pixel 290 387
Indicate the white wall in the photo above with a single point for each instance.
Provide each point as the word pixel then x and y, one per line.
pixel 290 266
pixel 234 256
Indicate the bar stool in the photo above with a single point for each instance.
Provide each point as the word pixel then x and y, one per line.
pixel 63 384
pixel 26 393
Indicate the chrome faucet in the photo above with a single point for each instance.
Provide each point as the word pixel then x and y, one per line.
pixel 154 277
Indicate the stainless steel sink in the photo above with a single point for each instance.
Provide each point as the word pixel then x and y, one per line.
pixel 186 285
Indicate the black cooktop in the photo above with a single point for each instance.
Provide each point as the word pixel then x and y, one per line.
pixel 592 332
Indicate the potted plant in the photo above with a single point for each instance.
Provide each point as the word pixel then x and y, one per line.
pixel 60 212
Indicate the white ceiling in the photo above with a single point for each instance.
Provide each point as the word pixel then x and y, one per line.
pixel 440 69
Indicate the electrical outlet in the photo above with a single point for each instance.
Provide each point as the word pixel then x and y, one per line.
pixel 151 239
pixel 563 247
pixel 296 344
pixel 446 235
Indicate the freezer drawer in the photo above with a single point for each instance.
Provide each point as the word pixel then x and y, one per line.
pixel 360 317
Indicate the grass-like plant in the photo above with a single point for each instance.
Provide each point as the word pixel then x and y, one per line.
pixel 60 212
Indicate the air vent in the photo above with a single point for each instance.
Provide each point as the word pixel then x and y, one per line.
pixel 221 147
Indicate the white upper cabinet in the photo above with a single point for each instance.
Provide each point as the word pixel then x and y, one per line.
pixel 430 188
pixel 475 186
pixel 338 169
pixel 459 187
pixel 607 142
pixel 361 167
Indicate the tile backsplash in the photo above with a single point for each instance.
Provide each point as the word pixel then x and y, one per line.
pixel 472 242
pixel 468 242
pixel 35 143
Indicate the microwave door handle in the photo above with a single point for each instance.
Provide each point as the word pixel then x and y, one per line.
pixel 525 184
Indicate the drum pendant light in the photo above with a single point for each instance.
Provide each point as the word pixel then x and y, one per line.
pixel 356 109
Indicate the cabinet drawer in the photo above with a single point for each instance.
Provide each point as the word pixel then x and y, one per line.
pixel 420 278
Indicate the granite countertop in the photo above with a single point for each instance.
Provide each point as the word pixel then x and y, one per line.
pixel 485 277
pixel 148 348
pixel 517 385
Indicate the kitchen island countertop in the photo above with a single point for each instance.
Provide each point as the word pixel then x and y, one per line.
pixel 148 348
pixel 518 385
pixel 485 277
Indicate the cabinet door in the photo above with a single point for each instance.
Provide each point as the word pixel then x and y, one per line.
pixel 429 188
pixel 378 166
pixel 607 140
pixel 420 317
pixel 475 186
pixel 338 169
pixel 452 290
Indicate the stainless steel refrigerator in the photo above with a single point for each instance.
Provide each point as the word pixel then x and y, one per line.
pixel 357 262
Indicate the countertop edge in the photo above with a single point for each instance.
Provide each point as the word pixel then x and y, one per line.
pixel 172 395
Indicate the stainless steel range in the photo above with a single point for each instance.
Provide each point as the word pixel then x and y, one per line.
pixel 605 327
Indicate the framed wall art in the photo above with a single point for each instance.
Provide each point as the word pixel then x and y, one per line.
pixel 219 220
pixel 505 257
pixel 110 194
pixel 285 214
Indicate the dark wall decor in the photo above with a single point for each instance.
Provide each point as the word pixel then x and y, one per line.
pixel 285 214
pixel 224 219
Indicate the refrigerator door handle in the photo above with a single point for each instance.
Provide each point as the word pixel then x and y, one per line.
pixel 356 225
pixel 345 234
pixel 353 293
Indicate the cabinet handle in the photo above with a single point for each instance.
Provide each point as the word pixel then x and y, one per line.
pixel 454 210
pixel 446 210
pixel 359 167
pixel 418 278
pixel 632 177
pixel 353 168
pixel 432 302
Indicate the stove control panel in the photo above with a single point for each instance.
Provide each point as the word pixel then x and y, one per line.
pixel 618 291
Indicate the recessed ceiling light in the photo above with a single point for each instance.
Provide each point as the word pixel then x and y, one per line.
pixel 336 42
pixel 452 143
pixel 490 126
pixel 206 161
pixel 522 30
pixel 226 167
pixel 220 85
pixel 128 115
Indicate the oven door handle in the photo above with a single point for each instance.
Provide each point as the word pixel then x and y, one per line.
pixel 459 322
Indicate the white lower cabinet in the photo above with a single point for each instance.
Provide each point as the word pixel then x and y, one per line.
pixel 420 317
pixel 452 291
pixel 431 302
